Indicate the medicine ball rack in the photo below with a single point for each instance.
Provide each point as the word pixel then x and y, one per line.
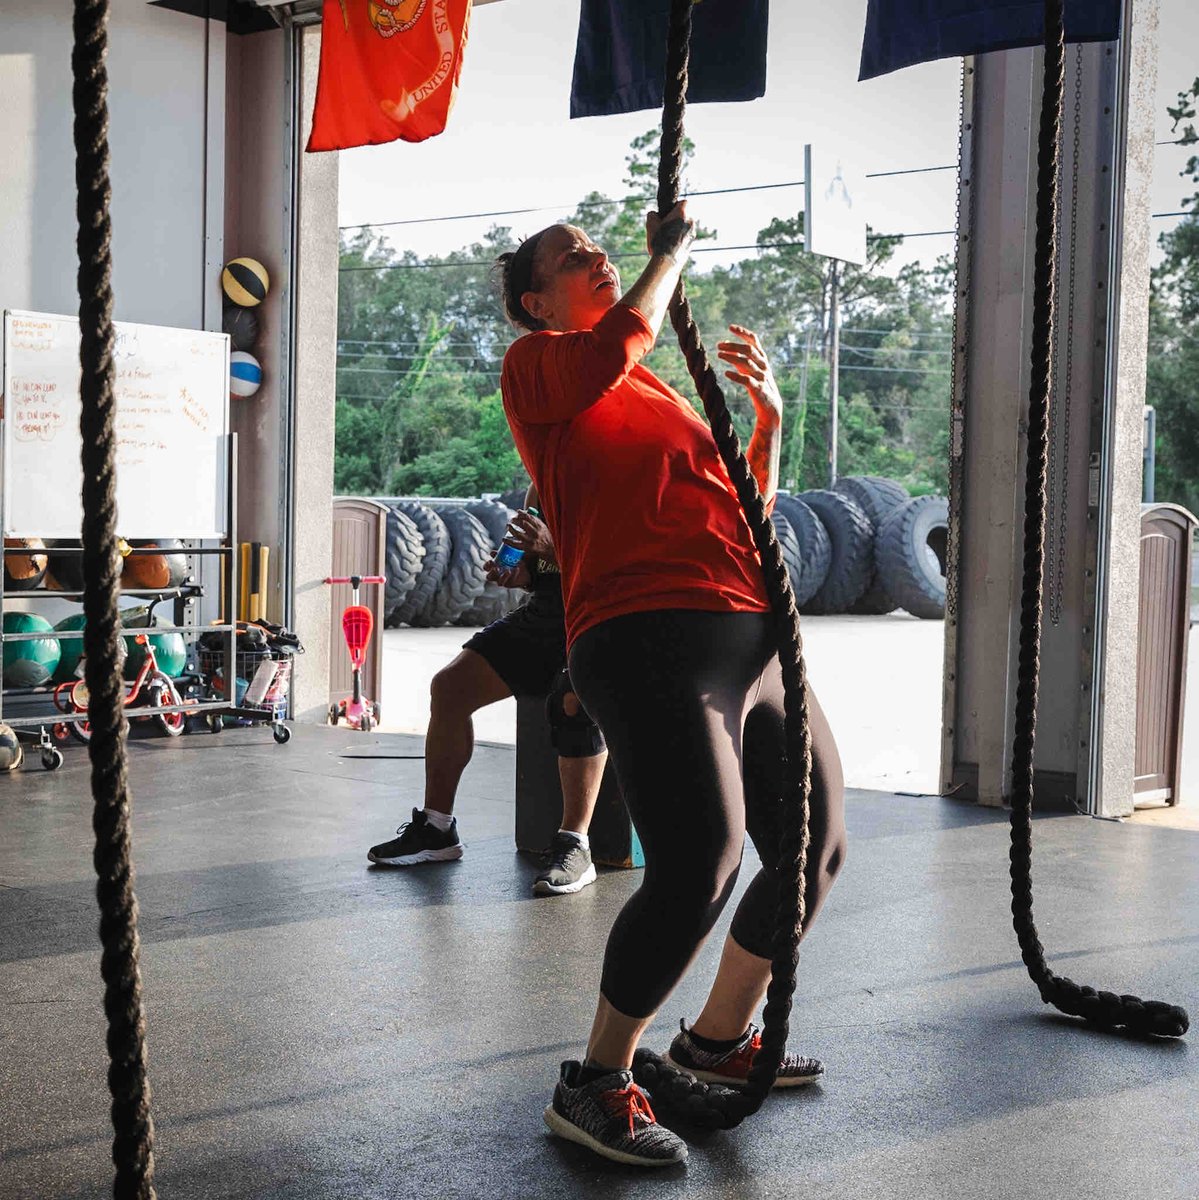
pixel 37 716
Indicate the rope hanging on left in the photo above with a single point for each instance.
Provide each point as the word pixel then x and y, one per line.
pixel 133 1127
pixel 715 1105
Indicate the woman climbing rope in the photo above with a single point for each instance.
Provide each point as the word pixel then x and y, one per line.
pixel 671 650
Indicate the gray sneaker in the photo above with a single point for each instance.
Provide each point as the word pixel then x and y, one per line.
pixel 611 1115
pixel 568 870
pixel 731 1067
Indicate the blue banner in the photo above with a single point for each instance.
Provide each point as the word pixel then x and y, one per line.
pixel 620 58
pixel 902 32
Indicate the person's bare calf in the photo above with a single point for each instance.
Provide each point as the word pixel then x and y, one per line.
pixel 458 691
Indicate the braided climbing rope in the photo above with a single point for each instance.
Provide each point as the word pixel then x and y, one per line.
pixel 1102 1008
pixel 133 1140
pixel 717 1106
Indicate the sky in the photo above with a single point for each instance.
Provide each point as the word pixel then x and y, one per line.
pixel 510 143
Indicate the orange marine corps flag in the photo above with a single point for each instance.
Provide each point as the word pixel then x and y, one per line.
pixel 389 69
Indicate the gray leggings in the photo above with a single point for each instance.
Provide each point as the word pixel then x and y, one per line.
pixel 691 706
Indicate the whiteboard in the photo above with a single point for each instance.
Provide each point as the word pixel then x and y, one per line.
pixel 172 427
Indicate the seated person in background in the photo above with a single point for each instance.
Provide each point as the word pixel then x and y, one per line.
pixel 521 654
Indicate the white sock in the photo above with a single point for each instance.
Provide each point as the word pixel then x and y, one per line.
pixel 581 838
pixel 439 820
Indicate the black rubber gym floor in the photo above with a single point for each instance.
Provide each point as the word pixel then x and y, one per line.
pixel 319 1028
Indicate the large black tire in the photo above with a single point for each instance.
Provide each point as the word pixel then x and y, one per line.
pixel 515 498
pixel 436 538
pixel 876 600
pixel 912 547
pixel 463 584
pixel 495 601
pixel 815 549
pixel 878 498
pixel 405 555
pixel 789 545
pixel 493 516
pixel 852 537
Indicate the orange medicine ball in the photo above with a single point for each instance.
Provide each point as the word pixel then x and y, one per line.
pixel 24 571
pixel 149 572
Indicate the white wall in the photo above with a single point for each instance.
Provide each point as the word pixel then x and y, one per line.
pixel 200 134
pixel 157 70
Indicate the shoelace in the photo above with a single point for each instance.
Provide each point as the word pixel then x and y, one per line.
pixel 557 854
pixel 629 1101
pixel 795 1061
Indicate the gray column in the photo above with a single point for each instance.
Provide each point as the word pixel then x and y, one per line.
pixel 314 355
pixel 1118 559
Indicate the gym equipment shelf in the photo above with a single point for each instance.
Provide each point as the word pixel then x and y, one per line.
pixel 35 726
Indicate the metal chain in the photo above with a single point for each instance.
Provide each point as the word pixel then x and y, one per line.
pixel 1061 498
pixel 963 262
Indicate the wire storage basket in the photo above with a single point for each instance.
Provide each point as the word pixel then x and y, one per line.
pixel 257 688
pixel 262 681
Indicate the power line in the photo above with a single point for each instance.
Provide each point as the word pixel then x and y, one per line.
pixel 486 262
pixel 871 237
pixel 894 370
pixel 886 405
pixel 788 330
pixel 607 202
pixel 494 375
pixel 865 351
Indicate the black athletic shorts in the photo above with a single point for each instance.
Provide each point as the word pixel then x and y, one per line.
pixel 527 647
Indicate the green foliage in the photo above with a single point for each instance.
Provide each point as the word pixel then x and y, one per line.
pixel 483 460
pixel 418 410
pixel 419 353
pixel 1173 369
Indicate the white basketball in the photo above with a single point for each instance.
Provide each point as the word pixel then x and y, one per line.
pixel 245 375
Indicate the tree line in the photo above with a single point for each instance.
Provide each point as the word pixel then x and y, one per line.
pixel 421 340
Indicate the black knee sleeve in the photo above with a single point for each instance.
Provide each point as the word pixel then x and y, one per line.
pixel 576 736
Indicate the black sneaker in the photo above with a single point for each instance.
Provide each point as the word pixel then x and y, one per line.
pixel 731 1067
pixel 611 1115
pixel 569 868
pixel 419 842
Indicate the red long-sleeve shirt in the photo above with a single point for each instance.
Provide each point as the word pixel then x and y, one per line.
pixel 640 506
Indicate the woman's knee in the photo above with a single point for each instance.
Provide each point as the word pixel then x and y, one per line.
pixel 832 854
pixel 694 890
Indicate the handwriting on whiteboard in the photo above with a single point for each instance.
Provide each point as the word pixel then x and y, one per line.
pixel 170 412
pixel 36 409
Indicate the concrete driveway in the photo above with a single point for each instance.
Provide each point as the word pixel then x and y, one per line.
pixel 879 679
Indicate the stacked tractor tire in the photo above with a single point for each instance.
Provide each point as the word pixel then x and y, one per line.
pixel 883 550
pixel 436 552
pixel 865 547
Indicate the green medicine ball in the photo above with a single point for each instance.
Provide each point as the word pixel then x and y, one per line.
pixel 11 753
pixel 170 652
pixel 72 648
pixel 32 663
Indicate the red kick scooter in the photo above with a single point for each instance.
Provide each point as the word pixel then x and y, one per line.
pixel 357 623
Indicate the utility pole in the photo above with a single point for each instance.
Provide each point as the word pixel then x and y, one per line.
pixel 798 430
pixel 1149 487
pixel 834 320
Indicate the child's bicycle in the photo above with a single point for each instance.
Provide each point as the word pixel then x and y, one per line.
pixel 357 624
pixel 151 681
